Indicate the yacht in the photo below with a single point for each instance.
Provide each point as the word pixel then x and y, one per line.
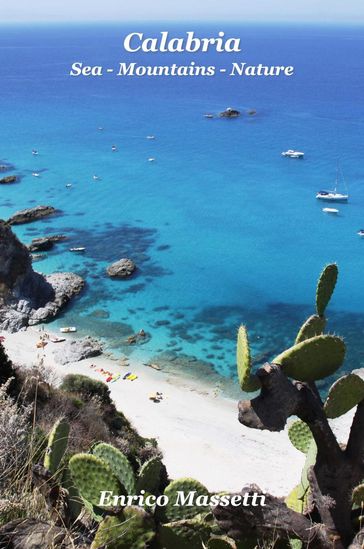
pixel 333 195
pixel 293 154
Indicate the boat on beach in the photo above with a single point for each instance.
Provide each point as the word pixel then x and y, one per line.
pixel 68 329
pixel 291 153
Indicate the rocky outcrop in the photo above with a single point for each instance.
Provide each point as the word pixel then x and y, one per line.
pixel 8 179
pixel 31 214
pixel 28 297
pixel 31 533
pixel 230 113
pixel 45 243
pixel 77 349
pixel 123 268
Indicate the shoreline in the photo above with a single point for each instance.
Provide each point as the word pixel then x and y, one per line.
pixel 196 427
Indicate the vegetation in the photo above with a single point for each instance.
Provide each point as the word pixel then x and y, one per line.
pixel 51 484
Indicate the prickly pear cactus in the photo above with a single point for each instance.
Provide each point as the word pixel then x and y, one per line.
pixel 300 435
pixel 185 485
pixel 133 529
pixel 358 496
pixel 314 325
pixel 310 461
pixel 247 381
pixel 325 287
pixel 57 445
pixel 313 359
pixel 184 534
pixel 93 475
pixel 344 394
pixel 74 500
pixel 294 501
pixel 149 476
pixel 119 464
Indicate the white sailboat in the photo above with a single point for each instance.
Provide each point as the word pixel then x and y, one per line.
pixel 334 195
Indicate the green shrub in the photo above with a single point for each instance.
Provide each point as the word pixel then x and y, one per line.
pixel 86 387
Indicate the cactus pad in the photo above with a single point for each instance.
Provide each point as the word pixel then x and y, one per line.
pixel 119 464
pixel 92 475
pixel 185 485
pixel 300 435
pixel 247 381
pixel 310 461
pixel 134 528
pixel 184 534
pixel 149 476
pixel 314 325
pixel 344 394
pixel 74 499
pixel 314 358
pixel 294 501
pixel 358 495
pixel 57 445
pixel 325 287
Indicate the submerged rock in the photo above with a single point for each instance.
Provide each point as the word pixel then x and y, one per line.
pixel 77 349
pixel 28 297
pixel 31 214
pixel 123 268
pixel 8 179
pixel 230 113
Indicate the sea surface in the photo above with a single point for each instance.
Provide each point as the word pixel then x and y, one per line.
pixel 223 229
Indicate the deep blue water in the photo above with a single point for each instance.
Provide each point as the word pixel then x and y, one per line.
pixel 224 230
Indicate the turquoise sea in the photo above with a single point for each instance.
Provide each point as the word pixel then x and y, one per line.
pixel 223 229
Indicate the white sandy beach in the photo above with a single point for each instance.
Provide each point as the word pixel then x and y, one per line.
pixel 196 428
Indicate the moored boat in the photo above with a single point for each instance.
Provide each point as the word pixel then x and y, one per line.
pixel 291 153
pixel 78 250
pixel 360 232
pixel 68 329
pixel 330 210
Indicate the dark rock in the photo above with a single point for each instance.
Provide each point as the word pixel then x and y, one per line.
pixel 230 113
pixel 123 268
pixel 45 243
pixel 32 533
pixel 138 338
pixel 27 297
pixel 6 167
pixel 8 179
pixel 31 214
pixel 77 349
pixel 252 112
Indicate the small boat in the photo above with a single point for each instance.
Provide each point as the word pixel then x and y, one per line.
pixel 35 152
pixel 151 159
pixel 68 329
pixel 36 174
pixel 114 148
pixel 95 177
pixel 78 250
pixel 150 137
pixel 293 154
pixel 38 257
pixel 208 115
pixel 334 196
pixel 68 185
pixel 100 128
pixel 330 210
pixel 361 232
pixel 56 339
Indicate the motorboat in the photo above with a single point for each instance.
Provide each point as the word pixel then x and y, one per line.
pixel 151 159
pixel 361 232
pixel 35 152
pixel 330 210
pixel 78 250
pixel 68 329
pixel 36 174
pixel 291 153
pixel 208 115
pixel 114 148
pixel 68 185
pixel 95 177
pixel 150 137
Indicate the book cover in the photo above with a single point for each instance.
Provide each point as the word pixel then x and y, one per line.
pixel 181 257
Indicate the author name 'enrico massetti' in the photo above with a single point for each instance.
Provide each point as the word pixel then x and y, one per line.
pixel 182 499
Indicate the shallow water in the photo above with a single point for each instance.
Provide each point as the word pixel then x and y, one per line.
pixel 223 229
